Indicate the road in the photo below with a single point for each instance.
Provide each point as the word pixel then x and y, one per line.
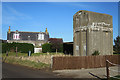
pixel 17 71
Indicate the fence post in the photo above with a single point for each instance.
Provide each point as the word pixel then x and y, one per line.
pixel 107 70
pixel 52 62
pixel 16 51
pixel 7 53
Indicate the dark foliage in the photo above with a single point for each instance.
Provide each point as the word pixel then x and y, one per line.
pixel 96 53
pixel 68 48
pixel 116 47
pixel 46 47
pixel 57 44
pixel 21 47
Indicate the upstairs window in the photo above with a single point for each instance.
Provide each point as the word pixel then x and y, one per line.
pixel 40 36
pixel 16 36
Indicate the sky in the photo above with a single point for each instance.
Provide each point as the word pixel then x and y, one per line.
pixel 57 17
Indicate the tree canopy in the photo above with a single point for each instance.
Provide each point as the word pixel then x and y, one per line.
pixel 116 47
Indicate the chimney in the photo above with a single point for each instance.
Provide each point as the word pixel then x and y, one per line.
pixel 9 30
pixel 46 31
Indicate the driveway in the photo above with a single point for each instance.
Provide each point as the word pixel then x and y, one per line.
pixel 87 73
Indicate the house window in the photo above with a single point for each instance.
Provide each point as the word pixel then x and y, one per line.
pixel 40 36
pixel 40 44
pixel 16 36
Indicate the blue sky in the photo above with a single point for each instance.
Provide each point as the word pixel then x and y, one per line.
pixel 56 16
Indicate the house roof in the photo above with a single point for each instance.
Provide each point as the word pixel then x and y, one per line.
pixel 27 35
pixel 55 40
pixel 27 32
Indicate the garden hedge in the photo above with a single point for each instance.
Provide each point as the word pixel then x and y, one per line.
pixel 21 47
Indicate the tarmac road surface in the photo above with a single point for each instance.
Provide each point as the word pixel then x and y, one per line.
pixel 17 71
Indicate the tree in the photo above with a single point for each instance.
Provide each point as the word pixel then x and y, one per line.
pixel 116 47
pixel 46 47
pixel 57 44
pixel 57 47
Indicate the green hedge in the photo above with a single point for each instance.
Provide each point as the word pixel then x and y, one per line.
pixel 21 47
pixel 46 47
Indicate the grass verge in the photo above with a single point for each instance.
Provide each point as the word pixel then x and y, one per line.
pixel 27 63
pixel 14 54
pixel 38 54
pixel 11 58
pixel 26 54
pixel 113 78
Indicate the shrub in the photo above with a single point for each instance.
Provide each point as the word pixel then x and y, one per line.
pixel 61 48
pixel 46 47
pixel 21 47
pixel 96 53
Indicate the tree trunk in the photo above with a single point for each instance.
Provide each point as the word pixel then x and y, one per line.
pixel 56 50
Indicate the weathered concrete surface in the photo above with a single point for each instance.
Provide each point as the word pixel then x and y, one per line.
pixel 85 73
pixel 92 32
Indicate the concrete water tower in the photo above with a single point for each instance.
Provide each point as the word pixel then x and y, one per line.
pixel 92 32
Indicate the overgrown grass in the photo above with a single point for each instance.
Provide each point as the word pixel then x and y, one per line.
pixel 26 54
pixel 14 54
pixel 38 54
pixel 111 78
pixel 116 77
pixel 13 60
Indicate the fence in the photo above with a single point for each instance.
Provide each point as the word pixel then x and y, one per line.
pixel 78 62
pixel 108 69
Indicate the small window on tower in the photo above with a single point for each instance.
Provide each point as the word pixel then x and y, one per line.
pixel 16 36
